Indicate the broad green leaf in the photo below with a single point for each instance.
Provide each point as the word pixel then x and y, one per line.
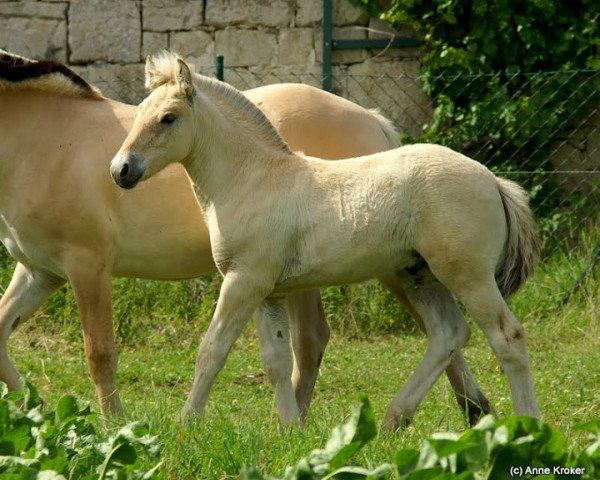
pixel 124 454
pixel 66 407
pixel 20 438
pixel 406 460
pixel 7 447
pixel 58 463
pixel 591 426
pixel 4 417
pixel 31 396
pixel 347 439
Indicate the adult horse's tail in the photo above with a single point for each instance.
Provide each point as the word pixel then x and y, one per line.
pixel 387 126
pixel 522 247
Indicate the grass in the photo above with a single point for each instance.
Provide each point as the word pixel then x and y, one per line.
pixel 374 349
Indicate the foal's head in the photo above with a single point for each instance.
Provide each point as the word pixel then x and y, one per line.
pixel 163 129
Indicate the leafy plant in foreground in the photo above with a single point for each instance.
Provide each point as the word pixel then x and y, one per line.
pixel 493 449
pixel 63 443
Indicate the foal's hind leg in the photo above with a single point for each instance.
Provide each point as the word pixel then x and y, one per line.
pixel 28 289
pixel 468 394
pixel 274 336
pixel 310 335
pixel 447 333
pixel 505 334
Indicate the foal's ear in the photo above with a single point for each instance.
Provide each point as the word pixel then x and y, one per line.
pixel 184 78
pixel 153 77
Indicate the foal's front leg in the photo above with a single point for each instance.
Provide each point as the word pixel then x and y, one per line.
pixel 238 299
pixel 273 333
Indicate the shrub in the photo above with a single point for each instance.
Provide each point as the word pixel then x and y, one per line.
pixel 36 443
pixel 494 448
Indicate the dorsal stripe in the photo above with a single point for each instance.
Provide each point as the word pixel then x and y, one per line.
pixel 16 69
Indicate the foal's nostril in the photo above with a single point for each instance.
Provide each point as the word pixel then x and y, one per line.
pixel 124 170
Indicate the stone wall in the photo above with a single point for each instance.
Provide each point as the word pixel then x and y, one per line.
pixel 262 41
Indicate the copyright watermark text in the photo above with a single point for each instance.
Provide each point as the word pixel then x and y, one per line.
pixel 521 471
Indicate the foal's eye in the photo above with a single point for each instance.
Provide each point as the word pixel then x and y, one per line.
pixel 168 118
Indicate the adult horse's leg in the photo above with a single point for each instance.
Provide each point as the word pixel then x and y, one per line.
pixel 273 333
pixel 466 390
pixel 447 333
pixel 310 335
pixel 28 289
pixel 91 282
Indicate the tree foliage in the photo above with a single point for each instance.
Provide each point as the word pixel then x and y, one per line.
pixel 506 76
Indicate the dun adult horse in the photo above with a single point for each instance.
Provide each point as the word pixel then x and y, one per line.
pixel 63 219
pixel 440 222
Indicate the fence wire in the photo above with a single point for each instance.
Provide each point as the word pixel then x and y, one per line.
pixel 561 171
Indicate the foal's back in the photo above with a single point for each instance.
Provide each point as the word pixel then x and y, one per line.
pixel 364 217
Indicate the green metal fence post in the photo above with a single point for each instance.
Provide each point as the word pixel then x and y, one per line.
pixel 219 61
pixel 327 43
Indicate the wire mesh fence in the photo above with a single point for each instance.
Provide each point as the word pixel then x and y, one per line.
pixel 556 157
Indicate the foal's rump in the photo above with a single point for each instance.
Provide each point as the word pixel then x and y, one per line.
pixel 466 215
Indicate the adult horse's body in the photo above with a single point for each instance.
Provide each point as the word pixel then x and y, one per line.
pixel 63 218
pixel 439 222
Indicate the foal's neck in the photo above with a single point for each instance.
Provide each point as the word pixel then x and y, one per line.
pixel 236 142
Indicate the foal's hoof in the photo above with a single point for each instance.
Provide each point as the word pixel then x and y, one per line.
pixel 187 415
pixel 394 422
pixel 475 409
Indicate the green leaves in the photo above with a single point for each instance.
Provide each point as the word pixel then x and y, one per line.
pixel 489 450
pixel 60 444
pixel 508 80
pixel 332 461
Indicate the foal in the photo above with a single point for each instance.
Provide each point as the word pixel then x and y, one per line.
pixel 436 220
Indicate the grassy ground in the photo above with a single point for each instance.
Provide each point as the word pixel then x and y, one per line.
pixel 373 351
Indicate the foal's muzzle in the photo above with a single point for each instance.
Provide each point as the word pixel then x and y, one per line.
pixel 127 170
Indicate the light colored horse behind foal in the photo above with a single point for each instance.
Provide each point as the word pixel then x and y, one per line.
pixel 91 230
pixel 280 223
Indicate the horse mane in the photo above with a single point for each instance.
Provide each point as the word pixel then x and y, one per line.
pixel 20 73
pixel 226 96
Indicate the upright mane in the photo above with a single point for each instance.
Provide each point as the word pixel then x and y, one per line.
pixel 20 73
pixel 228 98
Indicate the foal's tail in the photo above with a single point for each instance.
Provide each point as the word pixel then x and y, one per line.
pixel 523 245
pixel 387 126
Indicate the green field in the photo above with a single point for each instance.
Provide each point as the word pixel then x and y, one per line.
pixel 373 350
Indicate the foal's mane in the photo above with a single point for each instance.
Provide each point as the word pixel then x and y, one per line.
pixel 228 98
pixel 20 73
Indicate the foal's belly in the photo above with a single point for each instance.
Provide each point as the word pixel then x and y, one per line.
pixel 343 270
